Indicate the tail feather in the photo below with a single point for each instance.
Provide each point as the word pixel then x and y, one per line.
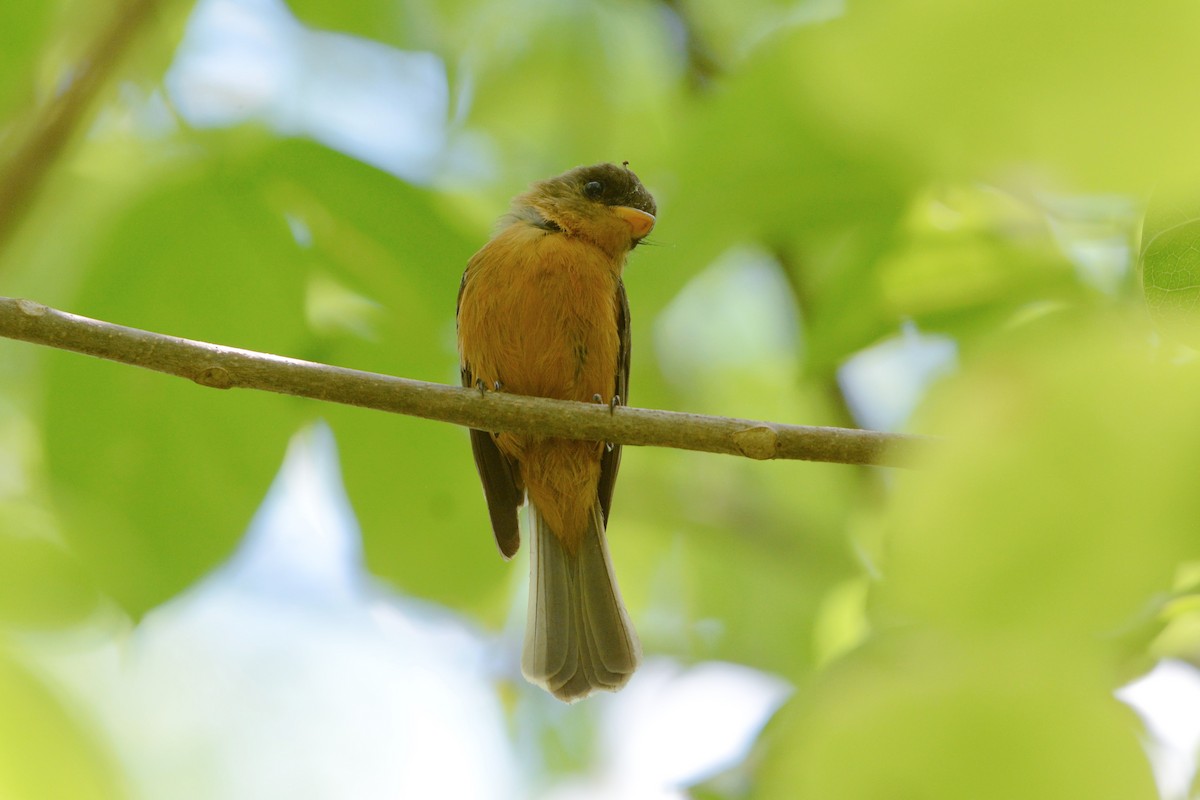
pixel 578 637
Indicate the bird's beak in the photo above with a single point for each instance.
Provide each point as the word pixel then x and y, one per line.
pixel 638 221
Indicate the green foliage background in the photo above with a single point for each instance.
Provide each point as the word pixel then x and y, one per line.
pixel 954 631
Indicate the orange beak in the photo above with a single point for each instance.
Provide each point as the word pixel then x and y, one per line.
pixel 639 221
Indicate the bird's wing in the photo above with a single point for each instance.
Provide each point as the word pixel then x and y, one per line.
pixel 611 460
pixel 500 482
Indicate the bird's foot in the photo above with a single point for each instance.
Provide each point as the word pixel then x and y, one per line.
pixel 612 407
pixel 612 404
pixel 482 386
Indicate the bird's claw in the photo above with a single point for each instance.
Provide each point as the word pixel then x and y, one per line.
pixel 612 406
pixel 482 386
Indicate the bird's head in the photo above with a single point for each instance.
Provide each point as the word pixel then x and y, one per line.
pixel 605 204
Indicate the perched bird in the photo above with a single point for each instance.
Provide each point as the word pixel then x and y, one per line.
pixel 542 311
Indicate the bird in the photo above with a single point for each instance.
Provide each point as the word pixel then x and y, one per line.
pixel 542 311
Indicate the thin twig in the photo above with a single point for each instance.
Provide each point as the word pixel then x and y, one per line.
pixel 27 166
pixel 223 367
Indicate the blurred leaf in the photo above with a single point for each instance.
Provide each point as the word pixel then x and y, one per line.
pixel 731 558
pixel 916 717
pixel 173 472
pixel 413 482
pixel 550 74
pixel 972 89
pixel 1170 267
pixel 159 477
pixel 425 523
pixel 25 27
pixel 797 172
pixel 1062 498
pixel 818 195
pixel 374 19
pixel 835 278
pixel 408 24
pixel 968 249
pixel 44 750
pixel 732 31
pixel 41 584
pixel 1180 638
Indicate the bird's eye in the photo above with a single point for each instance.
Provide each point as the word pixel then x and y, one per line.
pixel 593 189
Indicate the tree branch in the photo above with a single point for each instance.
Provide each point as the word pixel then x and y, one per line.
pixel 222 367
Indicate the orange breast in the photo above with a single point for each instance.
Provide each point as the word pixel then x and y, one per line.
pixel 538 313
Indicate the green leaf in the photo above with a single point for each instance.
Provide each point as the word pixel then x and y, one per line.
pixel 263 255
pixel 553 89
pixel 796 172
pixel 1062 499
pixel 917 717
pixel 374 19
pixel 41 584
pixel 158 477
pixel 412 482
pixel 1170 267
pixel 25 27
pixel 979 89
pixel 796 180
pixel 731 558
pixel 45 751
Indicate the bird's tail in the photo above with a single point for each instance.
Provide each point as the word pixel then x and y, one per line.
pixel 578 638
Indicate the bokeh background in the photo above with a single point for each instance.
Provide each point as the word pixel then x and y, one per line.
pixel 973 220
